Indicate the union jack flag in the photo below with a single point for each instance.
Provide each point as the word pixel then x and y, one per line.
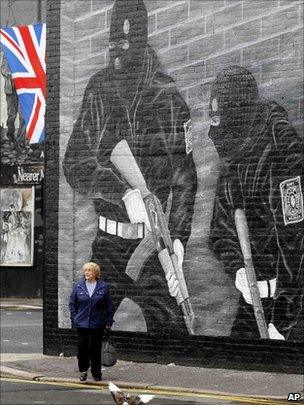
pixel 24 49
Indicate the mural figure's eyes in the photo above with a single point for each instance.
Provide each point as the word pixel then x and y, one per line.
pixel 214 105
pixel 126 27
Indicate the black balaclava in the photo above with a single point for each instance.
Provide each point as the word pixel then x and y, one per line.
pixel 236 92
pixel 128 36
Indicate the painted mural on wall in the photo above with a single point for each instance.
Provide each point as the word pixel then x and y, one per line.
pixel 17 226
pixel 144 193
pixel 262 180
pixel 180 232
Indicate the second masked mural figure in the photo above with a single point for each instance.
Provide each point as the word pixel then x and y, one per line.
pixel 133 100
pixel 262 175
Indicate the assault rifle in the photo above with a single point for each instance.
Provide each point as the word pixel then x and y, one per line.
pixel 243 234
pixel 123 159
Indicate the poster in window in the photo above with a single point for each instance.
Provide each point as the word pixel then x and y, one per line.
pixel 17 226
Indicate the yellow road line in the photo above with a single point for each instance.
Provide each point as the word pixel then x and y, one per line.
pixel 235 398
pixel 156 391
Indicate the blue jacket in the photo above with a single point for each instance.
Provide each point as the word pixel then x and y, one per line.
pixel 91 312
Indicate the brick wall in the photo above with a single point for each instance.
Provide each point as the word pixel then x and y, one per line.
pixel 194 40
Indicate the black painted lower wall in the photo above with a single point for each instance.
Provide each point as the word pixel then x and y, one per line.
pixel 191 351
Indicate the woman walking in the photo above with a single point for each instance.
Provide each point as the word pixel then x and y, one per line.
pixel 91 311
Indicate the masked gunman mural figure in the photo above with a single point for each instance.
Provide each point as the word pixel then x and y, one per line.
pixel 134 101
pixel 262 179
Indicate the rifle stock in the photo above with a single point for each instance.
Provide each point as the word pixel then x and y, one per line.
pixel 139 257
pixel 243 234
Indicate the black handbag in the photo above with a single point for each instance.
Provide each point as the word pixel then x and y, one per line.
pixel 108 352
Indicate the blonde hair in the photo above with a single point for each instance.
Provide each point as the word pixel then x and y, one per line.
pixel 93 266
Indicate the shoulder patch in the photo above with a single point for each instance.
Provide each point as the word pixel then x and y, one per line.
pixel 188 136
pixel 292 200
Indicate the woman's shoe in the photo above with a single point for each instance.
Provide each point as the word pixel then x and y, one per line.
pixel 97 377
pixel 83 377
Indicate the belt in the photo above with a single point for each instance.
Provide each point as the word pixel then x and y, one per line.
pixel 124 230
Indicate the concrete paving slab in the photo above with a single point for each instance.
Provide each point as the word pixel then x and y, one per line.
pixel 13 372
pixel 12 357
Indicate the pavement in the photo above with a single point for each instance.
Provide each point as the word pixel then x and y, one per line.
pixel 163 378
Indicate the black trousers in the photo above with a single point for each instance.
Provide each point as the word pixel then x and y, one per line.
pixel 89 350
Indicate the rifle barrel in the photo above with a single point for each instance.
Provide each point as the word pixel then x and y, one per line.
pixel 243 234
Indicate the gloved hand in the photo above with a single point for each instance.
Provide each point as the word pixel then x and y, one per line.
pixel 172 281
pixel 135 207
pixel 274 333
pixel 242 285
